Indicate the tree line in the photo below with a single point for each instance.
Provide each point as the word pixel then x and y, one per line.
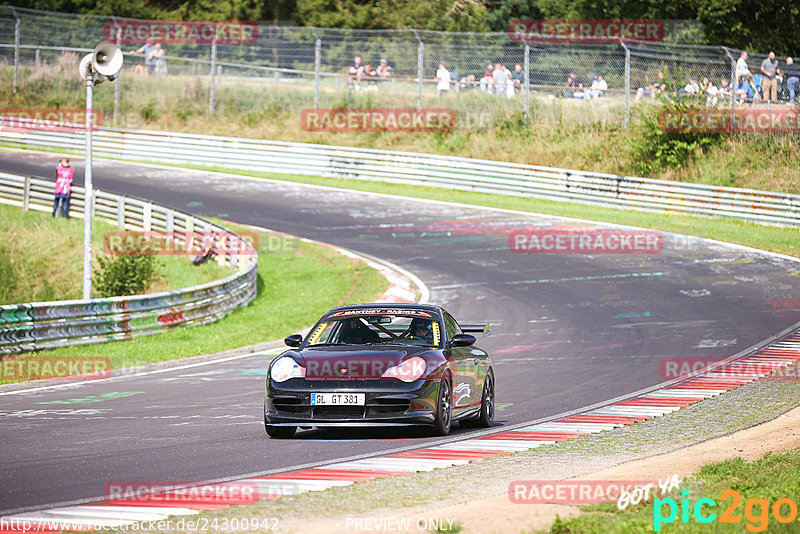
pixel 755 25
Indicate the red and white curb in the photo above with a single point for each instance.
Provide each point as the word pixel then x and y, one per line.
pixel 668 399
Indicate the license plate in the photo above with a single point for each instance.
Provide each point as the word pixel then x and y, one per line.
pixel 337 399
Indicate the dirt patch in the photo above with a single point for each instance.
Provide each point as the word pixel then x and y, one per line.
pixel 497 514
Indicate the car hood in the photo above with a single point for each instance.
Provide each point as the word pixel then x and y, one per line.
pixel 337 363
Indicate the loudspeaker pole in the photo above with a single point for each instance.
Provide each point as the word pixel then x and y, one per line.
pixel 102 64
pixel 88 195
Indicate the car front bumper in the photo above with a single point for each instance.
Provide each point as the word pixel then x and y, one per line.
pixel 388 402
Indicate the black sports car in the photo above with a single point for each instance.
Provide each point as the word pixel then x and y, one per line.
pixel 381 365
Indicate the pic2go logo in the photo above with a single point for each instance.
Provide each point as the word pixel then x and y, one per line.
pixel 756 511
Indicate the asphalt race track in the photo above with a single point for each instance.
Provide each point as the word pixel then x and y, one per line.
pixel 569 330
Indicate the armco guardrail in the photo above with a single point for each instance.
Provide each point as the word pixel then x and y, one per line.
pixel 40 325
pixel 608 190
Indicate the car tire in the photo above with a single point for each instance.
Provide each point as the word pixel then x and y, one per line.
pixel 279 431
pixel 444 408
pixel 486 416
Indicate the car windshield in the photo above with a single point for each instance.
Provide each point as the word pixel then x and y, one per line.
pixel 360 327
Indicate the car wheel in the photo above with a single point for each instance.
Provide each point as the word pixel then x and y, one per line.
pixel 486 416
pixel 279 431
pixel 444 408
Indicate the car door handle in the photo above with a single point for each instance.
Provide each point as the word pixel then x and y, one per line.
pixel 476 361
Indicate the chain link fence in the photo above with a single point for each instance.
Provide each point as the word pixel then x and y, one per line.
pixel 285 70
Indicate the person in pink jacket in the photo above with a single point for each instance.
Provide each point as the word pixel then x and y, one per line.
pixel 64 174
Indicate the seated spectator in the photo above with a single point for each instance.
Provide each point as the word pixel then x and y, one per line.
pixel 487 81
pixel 580 91
pixel 724 89
pixel 655 88
pixel 755 82
pixel 711 91
pixel 517 77
pixel 355 73
pixel 384 71
pixel 468 82
pixel 599 87
pixel 571 85
pixel 692 87
pixel 792 75
pixel 743 89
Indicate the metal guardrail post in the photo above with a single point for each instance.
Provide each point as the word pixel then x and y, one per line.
pixel 16 52
pixel 627 82
pixel 147 217
pixel 213 74
pixel 121 213
pixel 26 193
pixel 527 85
pixel 317 66
pixel 169 227
pixel 420 67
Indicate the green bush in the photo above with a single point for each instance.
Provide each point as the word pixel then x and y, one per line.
pixel 655 150
pixel 126 274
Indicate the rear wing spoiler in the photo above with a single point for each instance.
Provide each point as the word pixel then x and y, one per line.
pixel 476 329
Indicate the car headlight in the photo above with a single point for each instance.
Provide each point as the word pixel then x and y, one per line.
pixel 408 371
pixel 285 368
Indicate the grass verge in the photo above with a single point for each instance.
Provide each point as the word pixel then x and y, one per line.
pixel 559 132
pixel 744 494
pixel 297 282
pixel 41 258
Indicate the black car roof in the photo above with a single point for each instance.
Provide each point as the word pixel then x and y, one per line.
pixel 389 305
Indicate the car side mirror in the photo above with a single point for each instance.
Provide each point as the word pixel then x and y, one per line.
pixel 294 340
pixel 463 340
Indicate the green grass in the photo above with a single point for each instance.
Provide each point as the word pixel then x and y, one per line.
pixel 41 258
pixel 772 477
pixel 774 239
pixel 296 284
pixel 563 133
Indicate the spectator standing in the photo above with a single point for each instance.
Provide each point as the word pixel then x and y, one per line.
pixel 487 81
pixel 769 85
pixel 792 74
pixel 599 87
pixel 63 190
pixel 148 48
pixel 742 70
pixel 161 61
pixel 517 78
pixel 499 78
pixel 443 75
pixel 509 82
